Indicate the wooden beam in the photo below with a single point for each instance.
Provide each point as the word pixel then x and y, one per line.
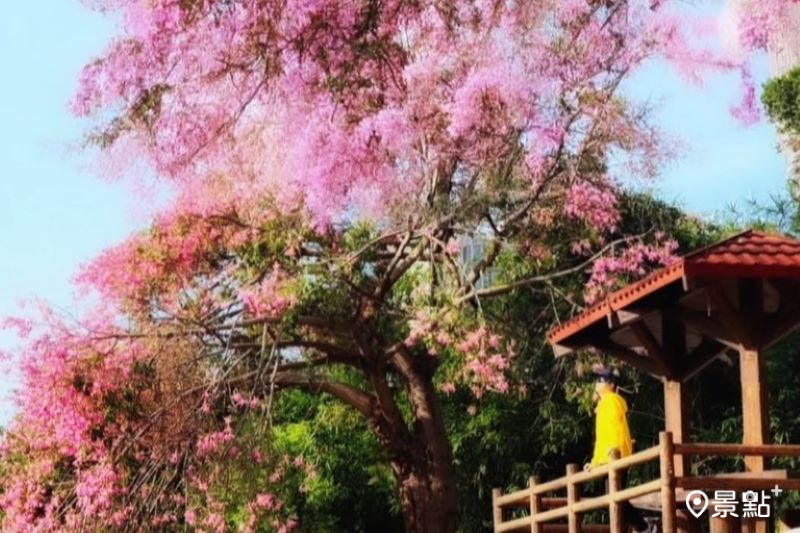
pixel 653 348
pixel 497 511
pixel 731 318
pixel 787 318
pixel 722 482
pixel 592 504
pixel 699 358
pixel 724 523
pixel 706 449
pixel 705 325
pixel 673 338
pixel 782 325
pixel 560 350
pixel 627 355
pixel 628 316
pixel 750 303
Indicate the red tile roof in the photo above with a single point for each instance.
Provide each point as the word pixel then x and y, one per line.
pixel 747 254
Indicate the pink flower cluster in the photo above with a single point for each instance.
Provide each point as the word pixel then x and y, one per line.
pixel 595 206
pixel 759 24
pixel 611 272
pixel 486 359
pixel 425 331
pixel 239 400
pixel 749 27
pixel 68 422
pixel 73 459
pixel 265 299
pixel 235 105
pixel 214 443
pixel 96 488
pixel 148 265
pixel 237 89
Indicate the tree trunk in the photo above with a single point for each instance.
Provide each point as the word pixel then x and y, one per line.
pixel 425 477
pixel 428 498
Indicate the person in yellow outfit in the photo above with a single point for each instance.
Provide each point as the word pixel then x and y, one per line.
pixel 613 438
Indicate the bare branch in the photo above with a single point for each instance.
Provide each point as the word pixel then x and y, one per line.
pixel 503 289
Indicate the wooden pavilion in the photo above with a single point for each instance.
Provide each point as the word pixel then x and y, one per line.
pixel 734 298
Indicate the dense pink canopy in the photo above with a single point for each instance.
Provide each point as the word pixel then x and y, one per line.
pixel 280 123
pixel 358 105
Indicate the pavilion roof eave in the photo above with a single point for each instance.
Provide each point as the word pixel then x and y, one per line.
pixel 747 254
pixel 617 301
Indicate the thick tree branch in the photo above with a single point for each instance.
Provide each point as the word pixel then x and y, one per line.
pixel 355 398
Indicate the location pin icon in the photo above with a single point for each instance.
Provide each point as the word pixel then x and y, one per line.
pixel 697 502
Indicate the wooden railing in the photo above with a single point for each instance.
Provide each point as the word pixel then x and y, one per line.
pixel 739 481
pixel 574 506
pixel 542 510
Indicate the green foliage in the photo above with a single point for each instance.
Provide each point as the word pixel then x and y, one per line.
pixel 545 422
pixel 781 99
pixel 778 213
pixel 348 485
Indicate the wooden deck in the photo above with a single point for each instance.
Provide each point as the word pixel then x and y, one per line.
pixel 665 494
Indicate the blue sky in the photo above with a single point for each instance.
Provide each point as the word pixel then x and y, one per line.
pixel 720 161
pixel 55 214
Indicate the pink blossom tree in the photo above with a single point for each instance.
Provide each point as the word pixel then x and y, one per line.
pixel 325 157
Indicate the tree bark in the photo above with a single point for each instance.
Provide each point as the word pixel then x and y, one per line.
pixel 427 498
pixel 426 478
pixel 420 454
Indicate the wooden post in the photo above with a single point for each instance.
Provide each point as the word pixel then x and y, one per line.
pixel 755 421
pixel 729 524
pixel 573 495
pixel 497 512
pixel 615 522
pixel 667 454
pixel 535 505
pixel 686 522
pixel 755 403
pixel 675 419
pixel 718 524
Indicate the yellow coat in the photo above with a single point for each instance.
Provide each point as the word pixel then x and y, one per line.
pixel 611 428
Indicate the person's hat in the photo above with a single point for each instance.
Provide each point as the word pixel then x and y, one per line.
pixel 606 375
